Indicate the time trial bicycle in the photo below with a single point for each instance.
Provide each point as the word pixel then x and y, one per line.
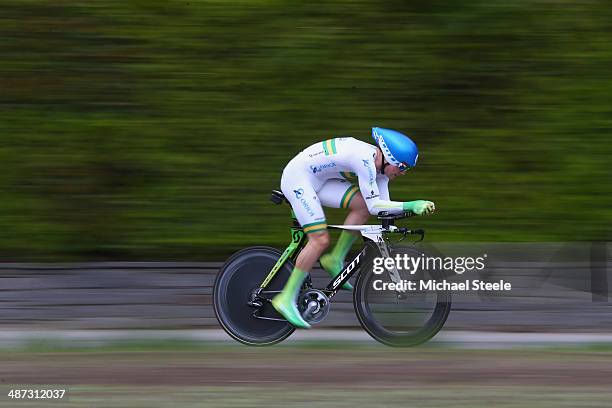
pixel 248 280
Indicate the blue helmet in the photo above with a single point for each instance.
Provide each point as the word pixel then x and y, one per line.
pixel 396 147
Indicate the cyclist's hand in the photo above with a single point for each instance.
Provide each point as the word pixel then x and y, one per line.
pixel 420 207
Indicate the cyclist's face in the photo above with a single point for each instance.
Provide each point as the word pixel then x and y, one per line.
pixel 393 171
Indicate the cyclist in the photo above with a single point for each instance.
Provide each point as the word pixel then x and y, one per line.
pixel 325 174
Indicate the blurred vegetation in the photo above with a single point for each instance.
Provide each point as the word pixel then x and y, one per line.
pixel 155 130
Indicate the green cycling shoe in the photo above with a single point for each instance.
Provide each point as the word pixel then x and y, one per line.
pixel 286 306
pixel 333 266
pixel 285 302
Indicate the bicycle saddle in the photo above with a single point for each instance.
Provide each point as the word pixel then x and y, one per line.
pixel 278 197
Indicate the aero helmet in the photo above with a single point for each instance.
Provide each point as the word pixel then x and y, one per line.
pixel 398 149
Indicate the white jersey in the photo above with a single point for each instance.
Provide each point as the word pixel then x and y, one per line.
pixel 329 167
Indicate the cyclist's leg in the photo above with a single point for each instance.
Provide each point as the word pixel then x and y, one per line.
pixel 299 190
pixel 359 213
pixel 342 194
pixel 316 245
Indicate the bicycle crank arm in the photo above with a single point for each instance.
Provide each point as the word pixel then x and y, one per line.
pixel 257 316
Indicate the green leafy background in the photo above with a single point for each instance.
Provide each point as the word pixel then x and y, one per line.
pixel 155 130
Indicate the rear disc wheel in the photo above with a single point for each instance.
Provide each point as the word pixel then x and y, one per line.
pixel 241 274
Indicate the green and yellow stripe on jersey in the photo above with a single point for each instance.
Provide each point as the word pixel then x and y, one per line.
pixel 329 147
pixel 348 175
pixel 348 196
pixel 315 227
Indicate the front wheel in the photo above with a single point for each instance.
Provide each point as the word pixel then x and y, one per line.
pixel 400 320
pixel 241 274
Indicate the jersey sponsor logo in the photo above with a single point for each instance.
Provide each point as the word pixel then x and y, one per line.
pixel 316 169
pixel 307 207
pixel 299 194
pixel 316 154
pixel 368 165
pixel 372 196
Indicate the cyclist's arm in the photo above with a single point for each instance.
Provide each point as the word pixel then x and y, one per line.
pixel 383 186
pixel 366 174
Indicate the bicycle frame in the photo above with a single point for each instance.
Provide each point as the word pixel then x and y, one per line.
pixel 291 252
pixel 271 268
pixel 371 233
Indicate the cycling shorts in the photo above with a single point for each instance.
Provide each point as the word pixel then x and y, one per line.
pixel 308 195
